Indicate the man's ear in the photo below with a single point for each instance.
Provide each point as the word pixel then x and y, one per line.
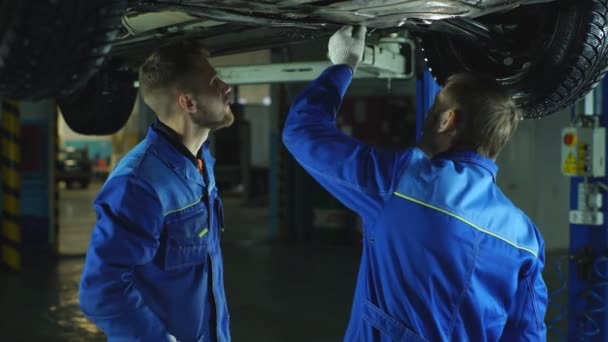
pixel 446 121
pixel 186 103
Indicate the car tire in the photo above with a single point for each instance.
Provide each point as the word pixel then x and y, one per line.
pixel 565 69
pixel 51 48
pixel 103 106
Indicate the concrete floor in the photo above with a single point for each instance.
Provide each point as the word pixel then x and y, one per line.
pixel 276 292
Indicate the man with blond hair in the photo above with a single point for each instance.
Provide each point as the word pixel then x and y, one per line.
pixel 446 255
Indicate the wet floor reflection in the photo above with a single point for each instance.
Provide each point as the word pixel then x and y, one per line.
pixel 272 288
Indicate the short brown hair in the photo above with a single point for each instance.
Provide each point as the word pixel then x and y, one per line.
pixel 171 65
pixel 487 116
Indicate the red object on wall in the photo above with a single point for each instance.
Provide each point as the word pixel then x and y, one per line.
pixel 569 139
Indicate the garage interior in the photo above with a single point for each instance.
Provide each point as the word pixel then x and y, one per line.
pixel 291 251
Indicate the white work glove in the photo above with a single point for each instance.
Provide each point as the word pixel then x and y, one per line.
pixel 346 46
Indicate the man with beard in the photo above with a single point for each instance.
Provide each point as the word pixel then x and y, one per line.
pixel 154 269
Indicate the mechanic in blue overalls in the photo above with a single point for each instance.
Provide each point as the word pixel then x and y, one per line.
pixel 154 269
pixel 446 255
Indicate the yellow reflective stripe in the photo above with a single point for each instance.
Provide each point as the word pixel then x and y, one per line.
pixel 11 231
pixel 184 208
pixel 11 257
pixel 11 150
pixel 465 221
pixel 203 232
pixel 11 177
pixel 11 121
pixel 10 203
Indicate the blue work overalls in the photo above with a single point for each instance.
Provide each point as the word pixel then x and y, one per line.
pixel 446 256
pixel 154 265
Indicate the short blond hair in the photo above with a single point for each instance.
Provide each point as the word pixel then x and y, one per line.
pixel 487 116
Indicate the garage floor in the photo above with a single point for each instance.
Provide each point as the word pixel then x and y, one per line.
pixel 276 292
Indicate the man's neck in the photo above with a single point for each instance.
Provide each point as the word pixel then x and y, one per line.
pixel 192 136
pixel 427 147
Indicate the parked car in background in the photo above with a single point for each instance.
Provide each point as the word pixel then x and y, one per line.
pixel 549 53
pixel 74 167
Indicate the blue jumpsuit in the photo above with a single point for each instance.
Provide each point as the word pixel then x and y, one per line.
pixel 446 255
pixel 154 264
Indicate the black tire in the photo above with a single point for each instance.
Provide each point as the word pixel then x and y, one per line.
pixel 103 106
pixel 570 54
pixel 50 48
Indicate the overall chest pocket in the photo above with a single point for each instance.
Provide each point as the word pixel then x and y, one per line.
pixel 186 237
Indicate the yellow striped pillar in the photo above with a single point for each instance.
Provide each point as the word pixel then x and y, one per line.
pixel 11 183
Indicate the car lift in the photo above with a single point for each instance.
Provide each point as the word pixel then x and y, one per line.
pixel 383 60
pixel 584 160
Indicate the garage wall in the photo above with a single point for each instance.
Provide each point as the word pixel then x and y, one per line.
pixel 259 120
pixel 530 175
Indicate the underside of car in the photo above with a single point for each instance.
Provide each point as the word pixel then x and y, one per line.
pixel 282 22
pixel 549 53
